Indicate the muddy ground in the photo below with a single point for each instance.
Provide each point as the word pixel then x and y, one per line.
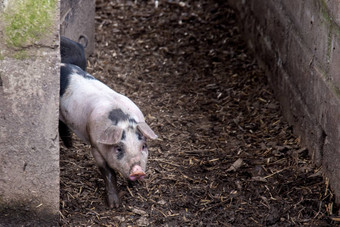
pixel 225 156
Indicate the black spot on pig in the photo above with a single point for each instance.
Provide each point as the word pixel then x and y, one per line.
pixel 88 76
pixel 117 115
pixel 77 70
pixel 132 121
pixel 123 135
pixel 65 73
pixel 72 52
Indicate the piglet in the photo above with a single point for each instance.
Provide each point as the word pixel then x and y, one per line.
pixel 73 52
pixel 110 122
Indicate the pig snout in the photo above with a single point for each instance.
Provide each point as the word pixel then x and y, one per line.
pixel 137 173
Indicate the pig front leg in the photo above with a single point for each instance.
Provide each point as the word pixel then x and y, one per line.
pixel 110 179
pixel 65 134
pixel 111 186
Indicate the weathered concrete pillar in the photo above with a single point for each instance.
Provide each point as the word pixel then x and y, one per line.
pixel 29 105
pixel 76 19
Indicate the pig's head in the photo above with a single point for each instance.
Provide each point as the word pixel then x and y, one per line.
pixel 121 141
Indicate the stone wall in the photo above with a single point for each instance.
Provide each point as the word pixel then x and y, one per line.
pixel 298 44
pixel 29 108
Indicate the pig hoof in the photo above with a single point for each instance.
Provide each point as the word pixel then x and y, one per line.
pixel 113 200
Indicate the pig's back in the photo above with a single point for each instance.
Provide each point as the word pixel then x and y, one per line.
pixel 74 80
pixel 81 94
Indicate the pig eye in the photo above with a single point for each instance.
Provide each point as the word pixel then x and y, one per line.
pixel 120 152
pixel 144 146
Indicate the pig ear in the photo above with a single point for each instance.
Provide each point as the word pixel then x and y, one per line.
pixel 112 135
pixel 145 129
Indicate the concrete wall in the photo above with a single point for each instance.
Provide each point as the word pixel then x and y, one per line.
pixel 298 44
pixel 29 104
pixel 77 18
pixel 29 108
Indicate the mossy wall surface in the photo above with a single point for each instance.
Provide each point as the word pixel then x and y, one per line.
pixel 25 23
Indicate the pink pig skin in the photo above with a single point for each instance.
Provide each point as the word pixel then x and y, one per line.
pixel 110 122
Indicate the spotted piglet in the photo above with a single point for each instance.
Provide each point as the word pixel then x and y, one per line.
pixel 113 125
pixel 72 52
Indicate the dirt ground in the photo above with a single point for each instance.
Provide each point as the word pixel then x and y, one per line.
pixel 225 156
